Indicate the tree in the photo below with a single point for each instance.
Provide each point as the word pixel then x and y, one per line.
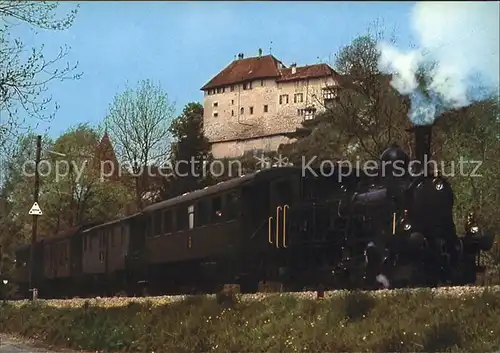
pixel 367 114
pixel 25 78
pixel 71 190
pixel 189 151
pixel 469 138
pixel 138 122
pixel 16 194
pixel 77 194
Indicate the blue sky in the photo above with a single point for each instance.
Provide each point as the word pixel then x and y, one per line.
pixel 182 45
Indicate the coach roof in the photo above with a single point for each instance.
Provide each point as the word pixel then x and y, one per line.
pixel 221 187
pixel 111 222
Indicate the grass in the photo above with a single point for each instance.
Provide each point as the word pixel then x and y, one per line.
pixel 409 321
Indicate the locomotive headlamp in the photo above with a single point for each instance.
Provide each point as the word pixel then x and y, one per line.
pixel 471 224
pixel 438 184
pixel 405 221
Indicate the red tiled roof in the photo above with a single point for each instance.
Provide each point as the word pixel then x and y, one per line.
pixel 309 71
pixel 246 69
pixel 265 67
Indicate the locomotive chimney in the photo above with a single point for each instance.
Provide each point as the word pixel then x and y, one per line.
pixel 423 137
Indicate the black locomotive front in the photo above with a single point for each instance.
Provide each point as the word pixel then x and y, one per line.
pixel 423 248
pixel 392 230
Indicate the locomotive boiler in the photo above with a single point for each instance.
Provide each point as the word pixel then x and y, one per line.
pixel 409 216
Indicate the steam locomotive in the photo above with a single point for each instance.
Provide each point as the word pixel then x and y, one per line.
pixel 291 227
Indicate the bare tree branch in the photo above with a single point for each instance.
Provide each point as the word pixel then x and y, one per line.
pixel 138 123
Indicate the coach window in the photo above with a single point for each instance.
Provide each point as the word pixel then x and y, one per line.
pixel 118 232
pixel 203 213
pixel 60 253
pixel 122 230
pixel 191 216
pixel 66 254
pixel 216 209
pixel 167 222
pixel 231 206
pixel 101 238
pixel 85 240
pixel 180 219
pixel 157 224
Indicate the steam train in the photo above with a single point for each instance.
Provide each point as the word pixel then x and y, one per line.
pixel 296 227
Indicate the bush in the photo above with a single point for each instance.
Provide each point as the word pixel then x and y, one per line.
pixel 387 321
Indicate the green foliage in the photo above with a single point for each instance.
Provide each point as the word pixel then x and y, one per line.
pixel 467 140
pixel 367 114
pixel 79 195
pixel 71 190
pixel 354 322
pixel 17 191
pixel 189 150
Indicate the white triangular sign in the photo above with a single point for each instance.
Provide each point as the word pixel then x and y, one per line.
pixel 35 210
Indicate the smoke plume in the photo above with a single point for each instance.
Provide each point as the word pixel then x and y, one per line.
pixel 458 48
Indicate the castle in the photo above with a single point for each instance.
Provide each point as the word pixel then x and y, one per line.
pixel 253 103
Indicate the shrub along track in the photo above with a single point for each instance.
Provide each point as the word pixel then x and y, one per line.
pixel 161 300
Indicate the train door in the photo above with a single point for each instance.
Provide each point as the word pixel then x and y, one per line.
pixel 133 233
pixel 283 192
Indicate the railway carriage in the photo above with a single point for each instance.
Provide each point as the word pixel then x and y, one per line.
pixel 105 252
pixel 273 225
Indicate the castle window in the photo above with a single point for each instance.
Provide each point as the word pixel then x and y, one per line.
pixel 242 110
pixel 251 110
pixel 219 90
pixel 266 108
pixel 216 114
pixel 232 112
pixel 262 82
pixel 309 113
pixel 298 98
pixel 329 92
pixel 247 85
pixel 232 101
pixel 232 88
pixel 284 99
pixel 216 104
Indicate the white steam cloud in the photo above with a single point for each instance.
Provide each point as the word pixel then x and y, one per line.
pixel 462 40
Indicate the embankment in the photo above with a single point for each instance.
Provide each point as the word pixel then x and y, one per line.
pixel 454 320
